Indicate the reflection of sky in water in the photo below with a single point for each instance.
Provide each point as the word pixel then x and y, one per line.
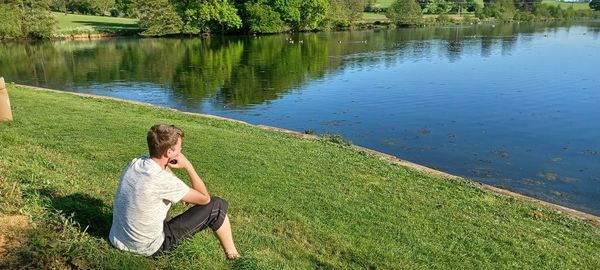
pixel 517 111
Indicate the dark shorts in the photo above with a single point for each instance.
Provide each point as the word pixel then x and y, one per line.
pixel 195 219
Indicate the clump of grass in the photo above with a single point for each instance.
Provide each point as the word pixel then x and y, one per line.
pixel 337 139
pixel 309 131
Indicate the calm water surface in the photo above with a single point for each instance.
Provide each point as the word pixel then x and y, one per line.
pixel 515 106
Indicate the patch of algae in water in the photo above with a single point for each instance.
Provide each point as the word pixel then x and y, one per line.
pixel 550 176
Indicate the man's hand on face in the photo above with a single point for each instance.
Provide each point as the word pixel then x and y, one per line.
pixel 179 162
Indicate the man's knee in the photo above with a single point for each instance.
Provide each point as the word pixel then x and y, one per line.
pixel 219 203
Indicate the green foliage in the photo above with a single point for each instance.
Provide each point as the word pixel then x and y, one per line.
pixel 261 18
pixel 438 7
pixel 595 5
pixel 312 14
pixel 80 6
pixel 10 22
pixel 473 6
pixel 404 12
pixel 526 5
pixel 102 7
pixel 125 7
pixel 546 12
pixel 503 10
pixel 158 17
pixel 343 13
pixel 207 16
pixel 337 139
pixel 32 17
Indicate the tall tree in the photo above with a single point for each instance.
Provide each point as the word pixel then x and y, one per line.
pixel 10 21
pixel 259 17
pixel 207 16
pixel 312 14
pixel 158 17
pixel 404 12
pixel 35 19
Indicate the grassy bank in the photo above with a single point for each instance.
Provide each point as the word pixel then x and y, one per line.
pixel 73 24
pixel 565 5
pixel 295 203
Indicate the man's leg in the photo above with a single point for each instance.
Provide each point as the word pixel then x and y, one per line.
pixel 226 238
pixel 198 218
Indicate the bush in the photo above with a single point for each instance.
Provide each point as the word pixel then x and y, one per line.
pixel 114 12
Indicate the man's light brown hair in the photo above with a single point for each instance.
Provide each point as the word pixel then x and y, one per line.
pixel 162 137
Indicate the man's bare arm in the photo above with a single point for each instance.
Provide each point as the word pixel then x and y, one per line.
pixel 198 194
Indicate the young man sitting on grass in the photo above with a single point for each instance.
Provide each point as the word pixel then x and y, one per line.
pixel 147 189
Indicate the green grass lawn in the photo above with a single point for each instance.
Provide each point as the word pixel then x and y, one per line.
pixel 384 3
pixel 294 203
pixel 564 5
pixel 75 24
pixel 370 17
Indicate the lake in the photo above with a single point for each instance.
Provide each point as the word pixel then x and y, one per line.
pixel 511 105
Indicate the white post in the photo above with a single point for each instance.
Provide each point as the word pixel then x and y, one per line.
pixel 5 112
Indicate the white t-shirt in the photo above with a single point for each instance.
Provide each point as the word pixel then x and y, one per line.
pixel 142 200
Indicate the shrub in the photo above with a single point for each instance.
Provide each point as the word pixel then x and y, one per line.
pixel 114 12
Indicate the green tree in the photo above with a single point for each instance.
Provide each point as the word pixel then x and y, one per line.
pixel 158 17
pixel 404 12
pixel 343 13
pixel 207 16
pixel 261 18
pixel 288 10
pixel 102 7
pixel 36 21
pixel 595 5
pixel 10 25
pixel 438 7
pixel 500 9
pixel 126 7
pixel 312 13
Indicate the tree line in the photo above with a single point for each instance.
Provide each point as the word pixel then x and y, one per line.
pixel 409 12
pixel 33 19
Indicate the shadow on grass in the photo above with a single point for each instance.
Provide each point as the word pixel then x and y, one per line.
pixel 88 211
pixel 111 27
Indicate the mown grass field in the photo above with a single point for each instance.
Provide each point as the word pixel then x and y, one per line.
pixel 294 203
pixel 76 24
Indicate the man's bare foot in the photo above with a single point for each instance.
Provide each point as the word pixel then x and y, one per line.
pixel 233 256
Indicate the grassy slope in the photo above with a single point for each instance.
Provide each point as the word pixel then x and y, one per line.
pixel 74 23
pixel 564 5
pixel 295 203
